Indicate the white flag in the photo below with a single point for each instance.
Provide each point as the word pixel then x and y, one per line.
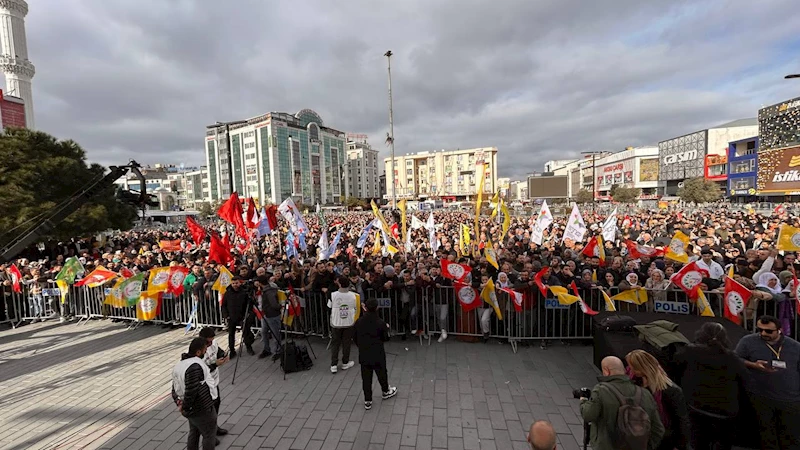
pixel 576 228
pixel 610 227
pixel 416 224
pixel 323 245
pixel 543 220
pixel 432 233
pixel 292 215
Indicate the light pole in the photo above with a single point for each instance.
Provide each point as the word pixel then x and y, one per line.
pixel 390 136
pixel 228 143
pixel 594 155
pixel 792 75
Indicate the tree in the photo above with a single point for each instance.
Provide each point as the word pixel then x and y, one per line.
pixel 354 202
pixel 699 190
pixel 206 210
pixel 584 196
pixel 624 194
pixel 38 172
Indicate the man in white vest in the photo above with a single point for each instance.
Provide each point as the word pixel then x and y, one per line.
pixel 214 358
pixel 194 390
pixel 345 306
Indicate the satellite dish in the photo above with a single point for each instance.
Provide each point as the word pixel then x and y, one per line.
pixel 680 185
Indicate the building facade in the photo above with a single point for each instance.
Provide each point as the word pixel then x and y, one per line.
pixel 633 168
pixel 278 155
pixel 778 164
pixel 447 175
pixel 362 168
pixel 742 169
pixel 684 157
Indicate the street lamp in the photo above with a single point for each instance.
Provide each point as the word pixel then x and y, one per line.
pixel 792 75
pixel 594 154
pixel 390 136
pixel 228 143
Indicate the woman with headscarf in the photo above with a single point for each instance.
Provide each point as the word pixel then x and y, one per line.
pixel 768 283
pixel 657 286
pixel 712 378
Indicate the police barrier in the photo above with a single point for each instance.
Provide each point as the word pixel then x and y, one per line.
pixel 429 311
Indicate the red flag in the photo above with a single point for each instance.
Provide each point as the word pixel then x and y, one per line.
pixel 538 280
pixel 293 308
pixel 231 212
pixel 689 279
pixel 257 313
pixel 219 252
pixel 395 231
pixel 454 271
pixel 271 212
pixel 779 210
pixel 252 213
pixel 516 298
pixel 170 246
pixel 198 232
pixel 637 250
pixel 595 248
pixel 125 273
pixel 584 306
pixel 16 276
pixel 468 296
pixel 176 276
pixel 736 298
pixel 626 222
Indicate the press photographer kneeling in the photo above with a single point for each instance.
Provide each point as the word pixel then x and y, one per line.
pixel 622 415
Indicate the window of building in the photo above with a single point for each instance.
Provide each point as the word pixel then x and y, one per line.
pixel 410 172
pixel 743 166
pixel 744 183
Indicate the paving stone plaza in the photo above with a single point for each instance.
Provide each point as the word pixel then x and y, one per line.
pixel 100 385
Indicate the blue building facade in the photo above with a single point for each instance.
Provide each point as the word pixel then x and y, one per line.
pixel 742 169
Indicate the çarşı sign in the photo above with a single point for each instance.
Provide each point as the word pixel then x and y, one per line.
pixel 779 170
pixel 680 157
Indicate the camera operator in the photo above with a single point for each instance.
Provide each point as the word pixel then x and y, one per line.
pixel 236 303
pixel 603 404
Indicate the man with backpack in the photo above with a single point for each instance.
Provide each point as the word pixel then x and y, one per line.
pixel 623 416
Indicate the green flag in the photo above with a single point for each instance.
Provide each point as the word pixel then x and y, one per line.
pixel 72 267
pixel 131 289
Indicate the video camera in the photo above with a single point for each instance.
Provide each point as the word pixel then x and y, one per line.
pixel 583 392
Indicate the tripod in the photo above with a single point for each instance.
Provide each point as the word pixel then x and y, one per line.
pixel 284 315
pixel 586 434
pixel 247 313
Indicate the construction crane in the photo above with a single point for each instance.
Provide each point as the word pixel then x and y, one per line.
pixel 49 220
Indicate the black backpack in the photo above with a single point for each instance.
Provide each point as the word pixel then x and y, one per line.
pixel 296 358
pixel 633 422
pixel 617 323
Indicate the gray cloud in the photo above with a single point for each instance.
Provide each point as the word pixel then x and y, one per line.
pixel 539 80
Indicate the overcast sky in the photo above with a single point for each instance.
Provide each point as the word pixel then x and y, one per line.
pixel 538 79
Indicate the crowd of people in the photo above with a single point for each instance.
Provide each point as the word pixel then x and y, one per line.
pixel 722 241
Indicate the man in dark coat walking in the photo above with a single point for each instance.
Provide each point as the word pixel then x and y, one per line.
pixel 370 334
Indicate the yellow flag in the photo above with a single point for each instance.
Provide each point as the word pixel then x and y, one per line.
pixel 563 296
pixel 636 296
pixel 703 306
pixel 402 205
pixel 678 247
pixel 594 275
pixel 506 219
pixel 489 295
pixel 358 307
pixel 159 279
pixel 480 172
pixel 223 280
pixel 148 306
pixel 63 288
pixel 380 217
pixel 114 296
pixel 465 233
pixel 491 257
pixel 609 303
pixel 376 246
pixel 730 272
pixel 788 238
pixel 496 201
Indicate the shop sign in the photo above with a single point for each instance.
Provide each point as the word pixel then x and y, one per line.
pixel 680 157
pixel 779 170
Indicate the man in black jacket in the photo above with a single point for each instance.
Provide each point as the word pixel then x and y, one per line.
pixel 271 310
pixel 194 391
pixel 235 304
pixel 370 334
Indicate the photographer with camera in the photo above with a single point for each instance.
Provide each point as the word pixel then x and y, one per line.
pixel 236 304
pixel 622 415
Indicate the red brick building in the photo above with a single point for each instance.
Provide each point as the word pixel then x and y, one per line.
pixel 12 111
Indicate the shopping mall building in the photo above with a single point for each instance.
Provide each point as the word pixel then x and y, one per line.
pixel 778 167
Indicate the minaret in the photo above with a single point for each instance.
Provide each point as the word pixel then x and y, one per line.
pixel 14 54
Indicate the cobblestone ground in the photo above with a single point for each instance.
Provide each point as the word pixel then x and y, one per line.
pixel 100 385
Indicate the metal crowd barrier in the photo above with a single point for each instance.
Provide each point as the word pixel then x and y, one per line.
pixel 421 311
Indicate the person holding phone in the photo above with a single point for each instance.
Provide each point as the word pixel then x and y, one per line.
pixel 773 360
pixel 214 357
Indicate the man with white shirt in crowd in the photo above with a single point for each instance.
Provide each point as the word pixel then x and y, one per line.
pixel 715 270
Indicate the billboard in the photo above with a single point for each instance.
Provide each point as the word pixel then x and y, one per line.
pixel 618 172
pixel 779 171
pixel 548 187
pixel 682 157
pixel 648 169
pixel 779 125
